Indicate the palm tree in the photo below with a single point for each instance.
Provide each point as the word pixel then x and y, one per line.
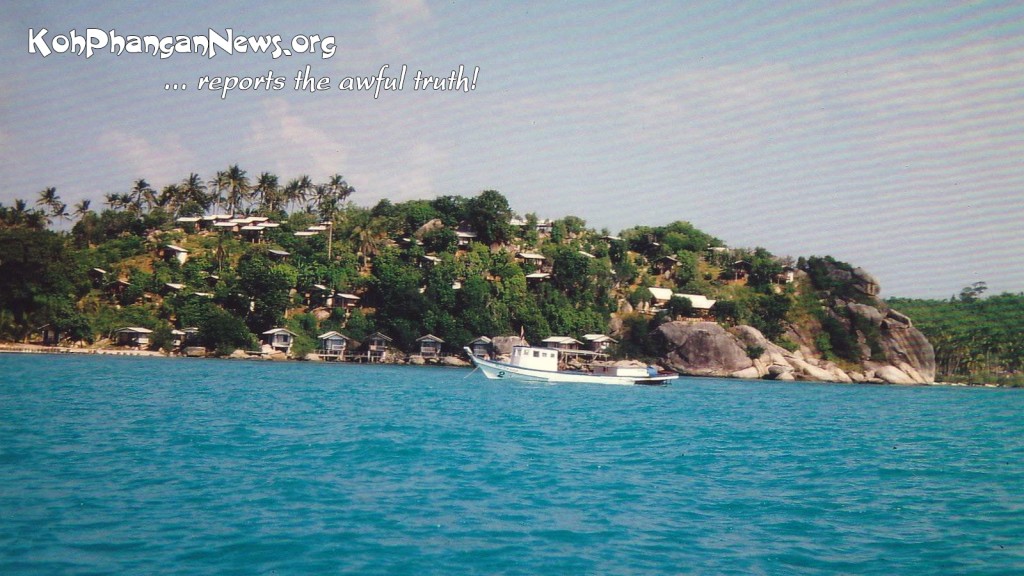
pixel 48 198
pixel 269 192
pixel 141 193
pixel 82 208
pixel 237 184
pixel 193 189
pixel 340 188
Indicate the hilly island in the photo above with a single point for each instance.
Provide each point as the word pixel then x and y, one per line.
pixel 253 267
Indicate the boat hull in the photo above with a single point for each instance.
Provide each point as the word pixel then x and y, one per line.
pixel 502 371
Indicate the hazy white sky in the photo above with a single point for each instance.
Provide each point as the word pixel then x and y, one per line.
pixel 887 135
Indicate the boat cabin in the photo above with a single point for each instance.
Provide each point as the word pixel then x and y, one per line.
pixel 536 358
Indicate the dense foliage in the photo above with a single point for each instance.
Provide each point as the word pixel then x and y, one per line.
pixel 976 339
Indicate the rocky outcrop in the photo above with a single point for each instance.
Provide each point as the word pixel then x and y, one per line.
pixel 708 349
pixel 702 349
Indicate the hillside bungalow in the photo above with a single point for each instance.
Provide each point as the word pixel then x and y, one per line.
pixel 538 276
pixel 279 339
pixel 117 287
pixel 464 237
pixel 133 336
pixel 279 255
pixel 97 275
pixel 185 337
pixel 533 259
pixel 171 252
pixel 665 264
pixel 599 342
pixel 333 345
pixel 170 287
pixel 660 296
pixel 481 347
pixel 377 346
pixel 562 343
pixel 431 347
pixel 346 301
pixel 701 304
pixel 741 269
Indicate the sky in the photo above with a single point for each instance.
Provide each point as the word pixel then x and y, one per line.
pixel 888 135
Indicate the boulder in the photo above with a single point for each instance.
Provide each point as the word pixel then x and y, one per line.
pixel 905 346
pixel 238 354
pixel 702 349
pixel 865 283
pixel 314 357
pixel 454 361
pixel 893 375
pixel 195 352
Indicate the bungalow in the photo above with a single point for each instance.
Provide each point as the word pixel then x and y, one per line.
pixel 172 252
pixel 464 237
pixel 377 347
pixel 173 287
pixel 333 345
pixel 278 254
pixel 701 304
pixel 430 346
pixel 545 226
pixel 279 339
pixel 741 269
pixel 481 347
pixel 665 264
pixel 346 301
pixel 133 336
pixel 537 276
pixel 660 296
pixel 562 343
pixel 96 275
pixel 184 337
pixel 117 287
pixel 599 342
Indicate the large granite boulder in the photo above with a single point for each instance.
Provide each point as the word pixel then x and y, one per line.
pixel 702 349
pixel 907 348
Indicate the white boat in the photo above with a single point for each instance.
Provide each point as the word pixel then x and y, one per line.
pixel 533 364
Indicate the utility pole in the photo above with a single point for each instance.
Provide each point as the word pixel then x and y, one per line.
pixel 330 237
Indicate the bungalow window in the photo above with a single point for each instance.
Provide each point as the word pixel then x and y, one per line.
pixel 536 354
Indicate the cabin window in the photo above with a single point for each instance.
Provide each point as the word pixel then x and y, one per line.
pixel 536 354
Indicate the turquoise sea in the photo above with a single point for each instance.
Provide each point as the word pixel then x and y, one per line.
pixel 112 465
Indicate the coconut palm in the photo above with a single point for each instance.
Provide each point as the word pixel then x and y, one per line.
pixel 82 208
pixel 236 183
pixel 141 193
pixel 268 192
pixel 48 198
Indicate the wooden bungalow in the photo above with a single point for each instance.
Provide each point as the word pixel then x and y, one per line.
pixel 184 337
pixel 279 255
pixel 377 345
pixel 464 237
pixel 97 275
pixel 333 345
pixel 431 347
pixel 660 296
pixel 481 347
pixel 741 269
pixel 665 264
pixel 117 287
pixel 535 277
pixel 133 336
pixel 599 342
pixel 171 252
pixel 562 343
pixel 346 301
pixel 279 339
pixel 701 304
pixel 534 259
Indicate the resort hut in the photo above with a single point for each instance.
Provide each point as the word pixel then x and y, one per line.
pixel 431 346
pixel 665 264
pixel 741 269
pixel 377 347
pixel 279 255
pixel 172 252
pixel 117 287
pixel 333 345
pixel 481 347
pixel 97 275
pixel 133 336
pixel 535 277
pixel 464 237
pixel 562 343
pixel 701 304
pixel 346 301
pixel 533 259
pixel 599 342
pixel 660 296
pixel 279 339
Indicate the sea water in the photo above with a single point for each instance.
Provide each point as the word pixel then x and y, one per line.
pixel 114 465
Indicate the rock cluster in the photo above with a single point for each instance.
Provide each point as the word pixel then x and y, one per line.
pixel 708 349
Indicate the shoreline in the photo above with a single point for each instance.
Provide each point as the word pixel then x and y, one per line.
pixel 9 348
